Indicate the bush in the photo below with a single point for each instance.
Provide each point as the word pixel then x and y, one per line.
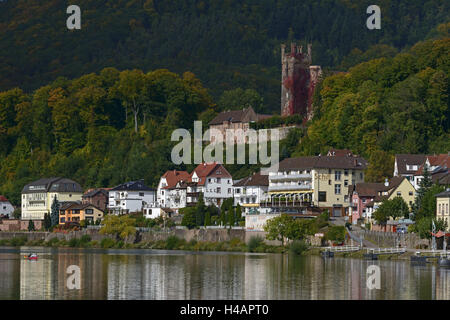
pixel 172 242
pixel 107 243
pixel 255 242
pixel 85 238
pixel 119 244
pixel 336 233
pixel 53 242
pixel 74 242
pixel 19 241
pixel 298 247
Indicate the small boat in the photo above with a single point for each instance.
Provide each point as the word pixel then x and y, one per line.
pixel 31 256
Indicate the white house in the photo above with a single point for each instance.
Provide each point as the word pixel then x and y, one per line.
pixel 172 187
pixel 251 191
pixel 130 197
pixel 6 207
pixel 211 179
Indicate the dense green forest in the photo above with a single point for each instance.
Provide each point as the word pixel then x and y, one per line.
pixel 99 107
pixel 227 44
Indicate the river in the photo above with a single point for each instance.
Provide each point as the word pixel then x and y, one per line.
pixel 158 274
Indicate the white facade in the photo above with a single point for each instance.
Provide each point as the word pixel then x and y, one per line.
pixel 6 208
pixel 217 189
pixel 127 201
pixel 152 212
pixel 258 221
pixel 250 196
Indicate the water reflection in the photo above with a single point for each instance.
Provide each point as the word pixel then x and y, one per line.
pixel 146 274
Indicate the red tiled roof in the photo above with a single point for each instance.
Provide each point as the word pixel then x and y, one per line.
pixel 3 199
pixel 213 169
pixel 174 176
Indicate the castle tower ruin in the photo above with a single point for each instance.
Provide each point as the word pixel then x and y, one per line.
pixel 298 80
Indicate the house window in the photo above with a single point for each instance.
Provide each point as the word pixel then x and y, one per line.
pixel 229 190
pixel 329 182
pixel 345 172
pixel 361 175
pixel 322 196
pixel 218 190
pixel 345 183
pixel 218 180
pixel 209 180
pixel 141 194
pixel 238 190
pixel 89 211
pixel 337 175
pixel 399 193
pixel 337 189
pixel 410 193
pixel 346 198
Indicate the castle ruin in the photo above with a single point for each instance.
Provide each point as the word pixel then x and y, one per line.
pixel 298 81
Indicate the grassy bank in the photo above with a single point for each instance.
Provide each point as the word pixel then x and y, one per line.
pixel 172 243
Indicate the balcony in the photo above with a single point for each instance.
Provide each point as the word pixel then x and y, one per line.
pixel 290 176
pixel 285 204
pixel 290 187
pixel 193 194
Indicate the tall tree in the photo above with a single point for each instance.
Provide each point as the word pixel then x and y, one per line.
pixel 131 88
pixel 55 212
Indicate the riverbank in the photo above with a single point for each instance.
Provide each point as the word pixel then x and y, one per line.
pixel 256 245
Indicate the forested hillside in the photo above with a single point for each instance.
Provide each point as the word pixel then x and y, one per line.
pixel 386 106
pixel 110 119
pixel 226 44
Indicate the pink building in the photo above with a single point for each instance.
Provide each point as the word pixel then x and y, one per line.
pixel 362 196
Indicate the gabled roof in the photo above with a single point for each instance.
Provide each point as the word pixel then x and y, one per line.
pixel 3 199
pixel 205 170
pixel 132 186
pixel 92 192
pixel 173 177
pixel 77 206
pixel 393 183
pixel 367 189
pixel 52 185
pixel 441 160
pixel 409 159
pixel 244 115
pixel 255 180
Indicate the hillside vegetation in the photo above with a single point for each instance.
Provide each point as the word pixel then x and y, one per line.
pixel 227 44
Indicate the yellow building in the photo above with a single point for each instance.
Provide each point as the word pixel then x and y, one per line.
pixel 442 207
pixel 403 189
pixel 38 196
pixel 76 212
pixel 318 182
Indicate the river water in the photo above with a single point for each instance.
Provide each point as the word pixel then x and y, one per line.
pixel 158 274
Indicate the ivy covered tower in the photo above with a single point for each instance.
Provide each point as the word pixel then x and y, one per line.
pixel 298 80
